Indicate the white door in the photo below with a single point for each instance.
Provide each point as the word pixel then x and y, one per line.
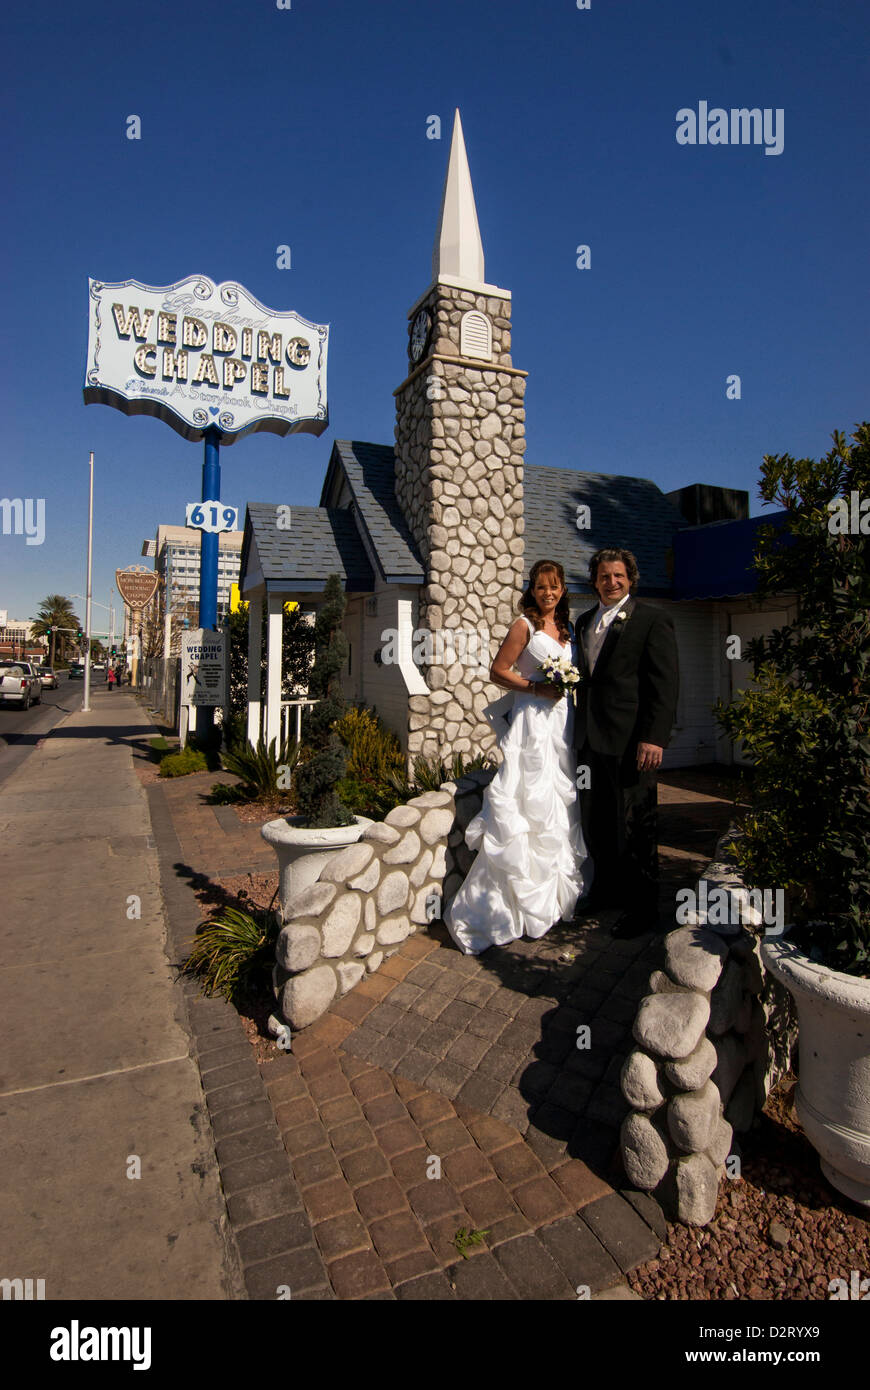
pixel 747 626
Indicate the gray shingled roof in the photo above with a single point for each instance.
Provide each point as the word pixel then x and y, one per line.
pixel 627 512
pixel 320 541
pixel 370 472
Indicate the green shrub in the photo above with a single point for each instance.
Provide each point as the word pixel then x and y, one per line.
pixel 370 798
pixel 224 794
pixel 234 729
pixel 190 759
pixel 373 750
pixel 806 725
pixel 265 770
pixel 315 781
pixel 233 952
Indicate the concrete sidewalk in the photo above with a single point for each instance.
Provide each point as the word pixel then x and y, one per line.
pixel 97 1081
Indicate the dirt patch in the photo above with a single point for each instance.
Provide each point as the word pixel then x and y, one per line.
pixel 258 812
pixel 242 891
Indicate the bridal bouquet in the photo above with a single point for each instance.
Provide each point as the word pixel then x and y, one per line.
pixel 559 671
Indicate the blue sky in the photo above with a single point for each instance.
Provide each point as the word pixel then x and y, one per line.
pixel 263 127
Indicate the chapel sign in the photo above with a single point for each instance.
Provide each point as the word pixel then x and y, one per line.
pixel 136 585
pixel 204 667
pixel 196 355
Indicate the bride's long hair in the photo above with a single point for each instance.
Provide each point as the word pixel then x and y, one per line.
pixel 528 604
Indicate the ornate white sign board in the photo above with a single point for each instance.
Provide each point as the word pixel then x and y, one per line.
pixel 196 354
pixel 203 667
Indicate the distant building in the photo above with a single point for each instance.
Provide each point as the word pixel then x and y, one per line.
pixel 176 551
pixel 17 640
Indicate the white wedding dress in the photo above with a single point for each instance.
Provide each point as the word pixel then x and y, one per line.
pixel 532 866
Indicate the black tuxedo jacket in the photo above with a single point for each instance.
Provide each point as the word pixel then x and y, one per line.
pixel 631 696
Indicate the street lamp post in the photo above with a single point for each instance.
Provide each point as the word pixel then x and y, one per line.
pixel 86 703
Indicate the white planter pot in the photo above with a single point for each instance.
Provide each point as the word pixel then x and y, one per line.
pixel 304 853
pixel 833 1094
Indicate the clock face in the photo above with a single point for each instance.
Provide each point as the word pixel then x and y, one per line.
pixel 419 335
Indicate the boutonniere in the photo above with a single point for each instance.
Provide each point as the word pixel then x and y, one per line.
pixel 621 616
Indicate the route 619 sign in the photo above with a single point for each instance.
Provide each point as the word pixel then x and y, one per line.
pixel 211 516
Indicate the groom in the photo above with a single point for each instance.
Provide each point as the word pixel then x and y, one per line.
pixel 626 705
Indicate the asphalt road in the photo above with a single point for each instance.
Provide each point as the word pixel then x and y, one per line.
pixel 21 730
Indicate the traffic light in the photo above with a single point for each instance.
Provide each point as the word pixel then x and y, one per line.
pixel 79 635
pixel 114 649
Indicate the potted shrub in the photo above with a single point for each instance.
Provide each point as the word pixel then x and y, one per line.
pixel 305 842
pixel 806 727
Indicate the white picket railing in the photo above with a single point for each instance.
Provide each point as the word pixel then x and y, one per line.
pixel 286 707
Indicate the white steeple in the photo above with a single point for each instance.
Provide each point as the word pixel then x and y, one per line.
pixel 458 252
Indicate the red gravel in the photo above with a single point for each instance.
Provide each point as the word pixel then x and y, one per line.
pixel 734 1256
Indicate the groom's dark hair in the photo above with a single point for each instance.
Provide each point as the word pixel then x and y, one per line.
pixel 612 556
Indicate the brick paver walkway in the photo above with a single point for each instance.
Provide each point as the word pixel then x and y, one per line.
pixel 443 1092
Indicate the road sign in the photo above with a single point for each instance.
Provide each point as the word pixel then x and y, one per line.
pixel 211 516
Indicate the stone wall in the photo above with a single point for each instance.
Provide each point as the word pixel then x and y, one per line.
pixel 714 1033
pixel 369 898
pixel 460 440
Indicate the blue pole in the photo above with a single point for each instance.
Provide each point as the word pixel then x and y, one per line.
pixel 208 563
pixel 208 560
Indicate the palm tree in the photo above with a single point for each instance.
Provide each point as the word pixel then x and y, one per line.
pixel 55 611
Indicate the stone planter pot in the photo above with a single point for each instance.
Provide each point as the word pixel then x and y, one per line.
pixel 833 1094
pixel 304 853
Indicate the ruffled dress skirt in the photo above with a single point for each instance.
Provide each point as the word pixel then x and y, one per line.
pixel 532 866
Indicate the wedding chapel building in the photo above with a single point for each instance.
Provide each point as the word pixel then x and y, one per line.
pixel 434 536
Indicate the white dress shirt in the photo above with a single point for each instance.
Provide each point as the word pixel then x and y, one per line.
pixel 596 631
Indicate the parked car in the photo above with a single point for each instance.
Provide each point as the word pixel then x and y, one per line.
pixel 18 684
pixel 48 676
pixel 32 668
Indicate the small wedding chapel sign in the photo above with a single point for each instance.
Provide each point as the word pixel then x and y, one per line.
pixel 203 667
pixel 137 585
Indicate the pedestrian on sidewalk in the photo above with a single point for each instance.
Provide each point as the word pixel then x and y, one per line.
pixel 119 673
pixel 110 677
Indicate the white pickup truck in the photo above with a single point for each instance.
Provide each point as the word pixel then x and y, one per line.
pixel 19 683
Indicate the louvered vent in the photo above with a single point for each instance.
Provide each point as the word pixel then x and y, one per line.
pixel 475 336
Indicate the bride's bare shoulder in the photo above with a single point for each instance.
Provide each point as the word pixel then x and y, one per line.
pixel 521 628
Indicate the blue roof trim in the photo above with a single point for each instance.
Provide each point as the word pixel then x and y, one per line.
pixel 715 561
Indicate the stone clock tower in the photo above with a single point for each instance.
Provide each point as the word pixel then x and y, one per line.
pixel 460 440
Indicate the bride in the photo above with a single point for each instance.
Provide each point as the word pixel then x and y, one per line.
pixel 532 865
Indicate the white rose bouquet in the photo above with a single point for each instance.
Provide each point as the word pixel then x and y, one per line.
pixel 559 671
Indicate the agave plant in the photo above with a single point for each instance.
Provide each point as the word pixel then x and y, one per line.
pixel 265 769
pixel 429 775
pixel 231 950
